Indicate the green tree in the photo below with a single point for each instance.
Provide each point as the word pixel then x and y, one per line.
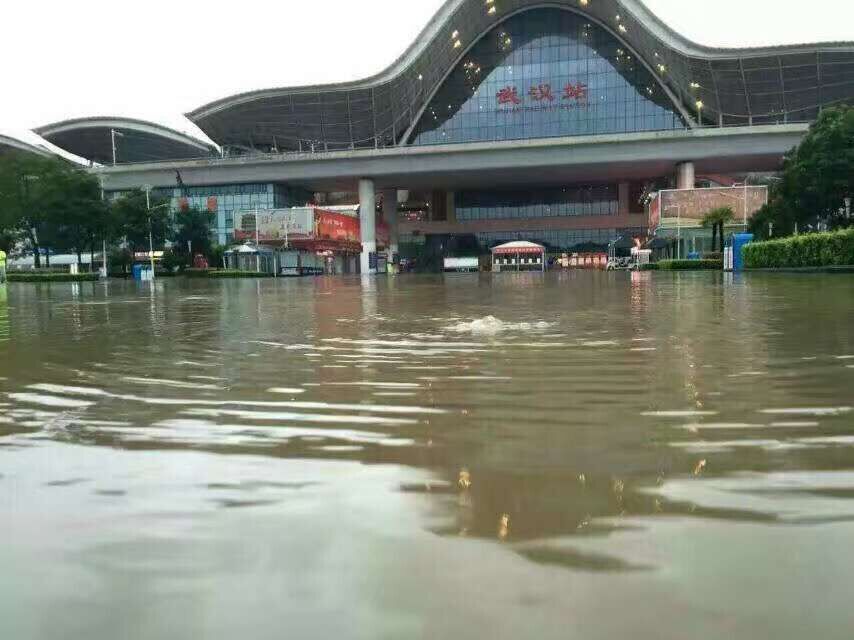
pixel 136 220
pixel 817 176
pixel 716 219
pixel 194 226
pixel 49 202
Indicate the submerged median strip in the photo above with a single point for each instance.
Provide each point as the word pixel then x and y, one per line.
pixel 52 277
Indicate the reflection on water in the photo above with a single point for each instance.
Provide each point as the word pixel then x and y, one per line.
pixel 4 314
pixel 650 455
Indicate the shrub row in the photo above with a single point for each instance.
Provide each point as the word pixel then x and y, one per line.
pixel 831 249
pixel 52 277
pixel 224 273
pixel 690 265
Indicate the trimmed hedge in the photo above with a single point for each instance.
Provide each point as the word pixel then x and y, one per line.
pixel 649 266
pixel 52 277
pixel 690 265
pixel 239 274
pixel 224 273
pixel 197 273
pixel 830 249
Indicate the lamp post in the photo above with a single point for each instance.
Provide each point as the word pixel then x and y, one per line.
pixel 113 134
pixel 257 244
pixel 151 226
pixel 678 208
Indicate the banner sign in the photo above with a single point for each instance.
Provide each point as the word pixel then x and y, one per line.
pixel 542 97
pixel 336 226
pixel 276 224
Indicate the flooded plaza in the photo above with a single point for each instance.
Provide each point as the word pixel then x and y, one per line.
pixel 563 455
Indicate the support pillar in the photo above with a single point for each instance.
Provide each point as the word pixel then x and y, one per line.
pixel 451 206
pixel 685 178
pixel 623 195
pixel 367 224
pixel 390 215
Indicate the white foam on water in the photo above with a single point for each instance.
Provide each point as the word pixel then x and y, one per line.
pixel 50 401
pixel 490 325
pixel 390 385
pixel 697 426
pixel 678 414
pixel 285 390
pixel 394 394
pixel 808 411
pixel 75 391
pixel 171 383
pixel 287 416
pixel 599 343
pixel 795 425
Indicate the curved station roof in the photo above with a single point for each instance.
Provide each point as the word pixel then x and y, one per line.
pixel 135 140
pixel 13 145
pixel 722 87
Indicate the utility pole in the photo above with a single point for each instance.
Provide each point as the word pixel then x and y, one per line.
pixel 257 244
pixel 150 230
pixel 113 134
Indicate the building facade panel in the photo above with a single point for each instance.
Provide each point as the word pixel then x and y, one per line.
pixel 709 86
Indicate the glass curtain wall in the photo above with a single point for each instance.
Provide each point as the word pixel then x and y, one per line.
pixel 545 73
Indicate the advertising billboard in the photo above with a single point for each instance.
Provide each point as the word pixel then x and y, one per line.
pixel 336 227
pixel 276 225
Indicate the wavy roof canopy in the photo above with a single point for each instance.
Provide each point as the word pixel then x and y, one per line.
pixel 736 86
pixel 13 145
pixel 136 140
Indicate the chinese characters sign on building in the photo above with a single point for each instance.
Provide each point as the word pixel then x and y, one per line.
pixel 542 95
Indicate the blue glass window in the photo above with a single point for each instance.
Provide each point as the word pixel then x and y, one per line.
pixel 545 73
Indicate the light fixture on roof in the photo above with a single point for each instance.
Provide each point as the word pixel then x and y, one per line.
pixel 455 35
pixel 491 10
pixel 583 3
pixel 662 68
pixel 457 44
pixel 622 28
pixel 699 104
pixel 695 85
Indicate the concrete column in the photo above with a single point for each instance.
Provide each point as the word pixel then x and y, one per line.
pixel 390 215
pixel 623 195
pixel 367 223
pixel 451 206
pixel 685 178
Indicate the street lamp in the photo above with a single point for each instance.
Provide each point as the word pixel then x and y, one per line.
pixel 113 134
pixel 678 228
pixel 151 226
pixel 699 105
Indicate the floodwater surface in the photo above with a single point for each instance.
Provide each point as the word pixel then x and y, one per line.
pixel 580 455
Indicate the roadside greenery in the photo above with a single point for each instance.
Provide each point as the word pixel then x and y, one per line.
pixel 225 273
pixel 29 276
pixel 810 250
pixel 690 265
pixel 49 205
pixel 817 176
pixel 716 219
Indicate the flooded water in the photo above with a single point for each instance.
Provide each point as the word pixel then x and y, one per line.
pixel 582 455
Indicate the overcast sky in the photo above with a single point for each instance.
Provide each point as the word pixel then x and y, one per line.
pixel 157 59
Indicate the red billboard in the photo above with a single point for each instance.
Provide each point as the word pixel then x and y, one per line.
pixel 336 227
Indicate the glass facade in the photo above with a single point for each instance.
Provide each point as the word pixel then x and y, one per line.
pixel 226 201
pixel 545 73
pixel 590 200
pixel 553 240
